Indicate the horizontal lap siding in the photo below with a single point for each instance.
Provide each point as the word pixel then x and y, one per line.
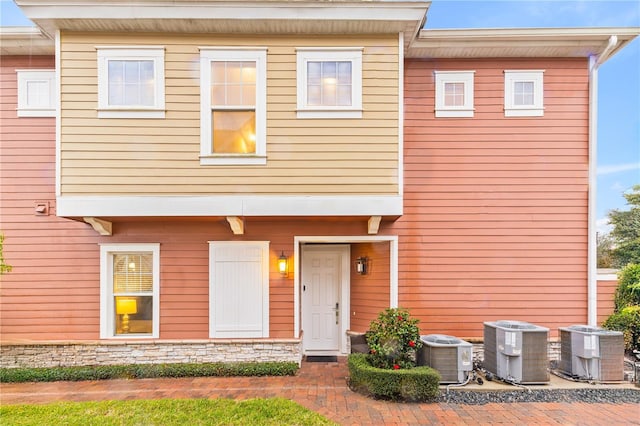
pixel 495 208
pixel 606 297
pixel 52 291
pixel 369 292
pixel 161 156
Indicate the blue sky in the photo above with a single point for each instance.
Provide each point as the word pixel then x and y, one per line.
pixel 619 77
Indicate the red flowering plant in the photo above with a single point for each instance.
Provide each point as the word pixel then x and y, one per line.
pixel 393 339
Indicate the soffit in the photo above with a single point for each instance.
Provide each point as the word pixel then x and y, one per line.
pixel 230 16
pixel 24 41
pixel 520 43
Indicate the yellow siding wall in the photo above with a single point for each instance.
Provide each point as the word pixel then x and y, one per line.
pixel 109 156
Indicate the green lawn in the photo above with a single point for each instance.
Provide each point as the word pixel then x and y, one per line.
pixel 274 411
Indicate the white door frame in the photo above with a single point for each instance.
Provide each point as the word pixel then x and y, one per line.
pixel 393 274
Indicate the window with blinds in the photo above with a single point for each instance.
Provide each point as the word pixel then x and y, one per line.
pixel 133 292
pixel 132 273
pixel 129 284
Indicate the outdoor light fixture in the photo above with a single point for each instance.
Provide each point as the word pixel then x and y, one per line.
pixel 282 264
pixel 125 307
pixel 361 265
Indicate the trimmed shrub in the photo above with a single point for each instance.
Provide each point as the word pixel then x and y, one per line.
pixel 415 384
pixel 145 371
pixel 627 321
pixel 393 339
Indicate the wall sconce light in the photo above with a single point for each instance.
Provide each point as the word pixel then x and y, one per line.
pixel 125 307
pixel 362 265
pixel 283 264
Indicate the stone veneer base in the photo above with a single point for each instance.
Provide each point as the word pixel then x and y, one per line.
pixel 69 354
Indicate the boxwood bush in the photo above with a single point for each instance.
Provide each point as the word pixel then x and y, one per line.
pixel 413 384
pixel 142 371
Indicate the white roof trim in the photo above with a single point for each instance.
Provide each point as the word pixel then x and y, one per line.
pixel 518 42
pixel 25 41
pixel 271 16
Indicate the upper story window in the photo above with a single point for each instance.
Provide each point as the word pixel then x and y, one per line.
pixel 454 93
pixel 329 83
pixel 131 82
pixel 129 290
pixel 233 101
pixel 36 93
pixel 523 93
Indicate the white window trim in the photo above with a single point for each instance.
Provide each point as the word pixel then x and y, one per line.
pixel 328 54
pixel 207 55
pixel 264 247
pixel 513 76
pixel 464 77
pixel 107 318
pixel 25 76
pixel 154 53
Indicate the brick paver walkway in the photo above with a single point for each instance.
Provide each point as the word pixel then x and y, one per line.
pixel 322 387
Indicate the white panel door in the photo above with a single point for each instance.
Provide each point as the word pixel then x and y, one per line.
pixel 321 301
pixel 239 289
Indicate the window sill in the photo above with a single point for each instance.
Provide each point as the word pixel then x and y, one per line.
pixel 36 112
pixel 333 113
pixel 455 113
pixel 224 160
pixel 132 336
pixel 131 113
pixel 524 112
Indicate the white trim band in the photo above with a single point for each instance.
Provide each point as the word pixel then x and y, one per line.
pixel 229 205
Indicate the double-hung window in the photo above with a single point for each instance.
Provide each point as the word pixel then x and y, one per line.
pixel 129 290
pixel 523 93
pixel 36 93
pixel 329 82
pixel 454 94
pixel 131 82
pixel 233 104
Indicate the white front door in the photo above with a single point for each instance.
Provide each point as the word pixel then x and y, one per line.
pixel 323 284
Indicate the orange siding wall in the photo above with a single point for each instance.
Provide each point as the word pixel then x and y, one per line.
pixel 495 208
pixel 370 292
pixel 606 293
pixel 52 291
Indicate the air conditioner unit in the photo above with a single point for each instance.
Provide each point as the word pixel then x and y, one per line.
pixel 592 353
pixel 452 357
pixel 516 351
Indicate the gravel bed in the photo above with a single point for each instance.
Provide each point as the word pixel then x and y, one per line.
pixel 607 396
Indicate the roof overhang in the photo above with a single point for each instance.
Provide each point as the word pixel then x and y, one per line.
pixel 25 41
pixel 230 16
pixel 519 42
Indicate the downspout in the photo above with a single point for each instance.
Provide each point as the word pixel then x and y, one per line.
pixel 592 259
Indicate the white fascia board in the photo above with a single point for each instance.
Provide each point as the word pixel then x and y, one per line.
pixel 231 205
pixel 283 10
pixel 509 42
